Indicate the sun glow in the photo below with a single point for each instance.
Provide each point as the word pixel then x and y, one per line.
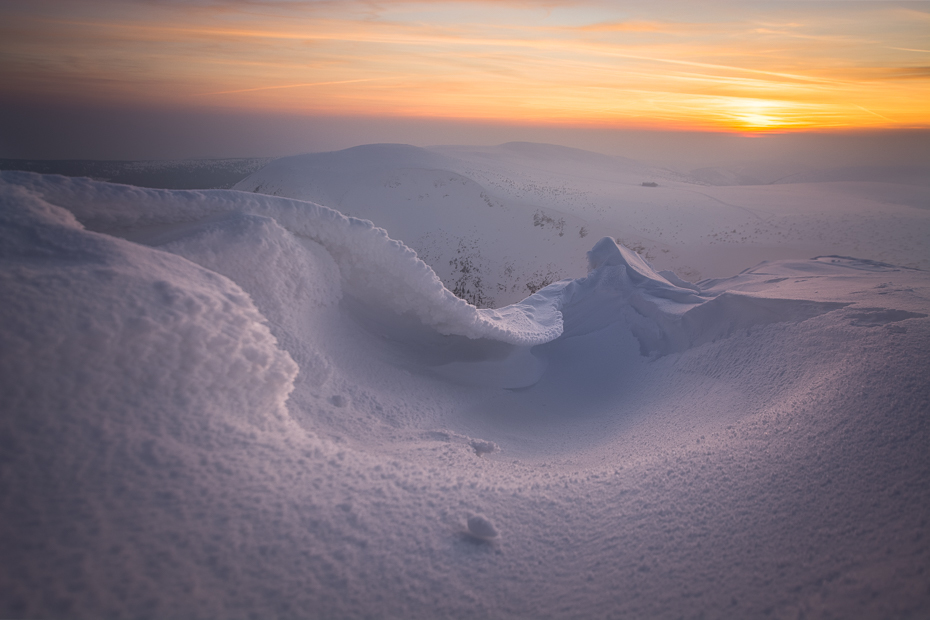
pixel 741 67
pixel 758 115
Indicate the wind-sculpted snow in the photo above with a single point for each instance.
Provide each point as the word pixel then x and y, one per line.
pixel 373 266
pixel 223 405
pixel 121 306
pixel 661 310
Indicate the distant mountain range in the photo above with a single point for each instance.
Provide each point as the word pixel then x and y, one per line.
pixel 172 174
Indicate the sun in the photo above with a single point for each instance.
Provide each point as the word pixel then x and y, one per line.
pixel 758 115
pixel 760 121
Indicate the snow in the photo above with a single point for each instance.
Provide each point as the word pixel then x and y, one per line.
pixel 373 266
pixel 499 223
pixel 229 404
pixel 481 528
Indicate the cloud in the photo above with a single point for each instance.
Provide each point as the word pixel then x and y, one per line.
pixel 624 26
pixel 591 62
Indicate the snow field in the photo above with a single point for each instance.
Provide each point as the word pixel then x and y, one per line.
pixel 499 223
pixel 251 406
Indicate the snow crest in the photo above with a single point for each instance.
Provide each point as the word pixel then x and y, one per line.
pixel 175 332
pixel 292 256
pixel 373 267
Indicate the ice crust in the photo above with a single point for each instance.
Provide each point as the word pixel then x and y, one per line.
pixel 223 404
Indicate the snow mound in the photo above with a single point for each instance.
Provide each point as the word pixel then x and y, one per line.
pixel 608 253
pixel 171 330
pixel 481 528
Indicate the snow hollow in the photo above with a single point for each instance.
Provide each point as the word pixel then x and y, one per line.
pixel 520 381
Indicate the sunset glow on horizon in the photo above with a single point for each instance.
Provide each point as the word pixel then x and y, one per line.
pixel 733 66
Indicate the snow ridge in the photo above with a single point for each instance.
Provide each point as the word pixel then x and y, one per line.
pixel 373 266
pixel 663 312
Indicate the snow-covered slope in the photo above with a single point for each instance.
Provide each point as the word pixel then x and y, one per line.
pixel 473 241
pixel 221 404
pixel 498 223
pixel 904 175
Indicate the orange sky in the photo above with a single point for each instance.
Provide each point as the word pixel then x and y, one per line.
pixel 740 66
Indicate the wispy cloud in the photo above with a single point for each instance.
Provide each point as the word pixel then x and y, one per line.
pixel 909 49
pixel 624 26
pixel 281 86
pixel 741 65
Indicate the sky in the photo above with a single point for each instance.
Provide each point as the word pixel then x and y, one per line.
pixel 130 77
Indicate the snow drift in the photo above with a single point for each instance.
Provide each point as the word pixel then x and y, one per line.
pixel 372 265
pixel 218 403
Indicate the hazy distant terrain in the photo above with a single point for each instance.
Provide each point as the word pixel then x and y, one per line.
pixel 180 174
pixel 497 223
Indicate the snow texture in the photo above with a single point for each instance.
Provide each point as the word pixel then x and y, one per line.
pixel 228 404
